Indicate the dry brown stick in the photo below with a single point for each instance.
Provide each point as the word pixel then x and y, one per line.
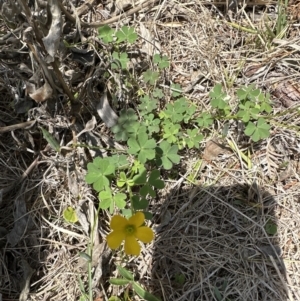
pixel 13 127
pixel 130 12
pixel 85 7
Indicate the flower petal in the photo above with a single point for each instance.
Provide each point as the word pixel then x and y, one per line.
pixel 137 219
pixel 132 247
pixel 115 238
pixel 118 222
pixel 144 234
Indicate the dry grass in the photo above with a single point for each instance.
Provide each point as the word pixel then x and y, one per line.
pixel 211 242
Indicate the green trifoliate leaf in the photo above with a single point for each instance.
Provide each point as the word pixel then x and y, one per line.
pixel 106 33
pixel 158 93
pixel 122 58
pixel 167 155
pixel 161 61
pixel 98 171
pixel 147 105
pixel 126 125
pixel 258 131
pixel 142 146
pixel 126 34
pixel 150 77
pixel 205 120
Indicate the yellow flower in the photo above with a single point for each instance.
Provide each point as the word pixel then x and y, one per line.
pixel 129 230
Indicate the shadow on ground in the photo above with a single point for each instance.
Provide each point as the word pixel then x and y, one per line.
pixel 214 243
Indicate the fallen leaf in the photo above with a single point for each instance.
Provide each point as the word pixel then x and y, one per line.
pixel 105 112
pixel 213 149
pixel 41 94
pixel 52 40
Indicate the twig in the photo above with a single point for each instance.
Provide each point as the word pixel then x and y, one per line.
pixel 130 12
pixel 13 127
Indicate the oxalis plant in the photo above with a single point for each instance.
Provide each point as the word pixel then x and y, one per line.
pixel 154 134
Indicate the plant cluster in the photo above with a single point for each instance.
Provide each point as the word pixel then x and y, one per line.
pixel 155 132
pixel 252 109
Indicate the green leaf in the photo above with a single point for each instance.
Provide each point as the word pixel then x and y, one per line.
pixel 254 93
pixel 106 199
pixel 205 120
pixel 147 105
pixel 142 293
pixel 167 155
pixel 248 111
pixel 243 92
pixel 139 204
pixel 218 103
pixel 194 138
pixel 81 286
pixel 119 281
pixel 162 61
pixel 150 76
pixel 147 189
pixel 119 161
pixel 258 131
pixel 151 123
pixel 122 58
pixel 70 215
pixel 216 91
pixel 126 34
pixel 158 93
pixel 85 256
pixel 176 90
pixel 244 115
pixel 50 139
pixel 144 147
pixel 137 166
pixel 271 227
pixel 98 171
pixel 125 273
pixel 217 294
pixel 265 107
pixel 175 111
pixel 141 178
pixel 126 125
pixel 127 213
pixel 124 180
pixel 119 199
pixel 218 97
pixel 190 111
pixel 154 179
pixel 106 33
pixel 171 132
pixel 148 215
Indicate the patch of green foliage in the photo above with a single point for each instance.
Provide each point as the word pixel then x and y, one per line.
pixel 156 129
pixel 253 106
